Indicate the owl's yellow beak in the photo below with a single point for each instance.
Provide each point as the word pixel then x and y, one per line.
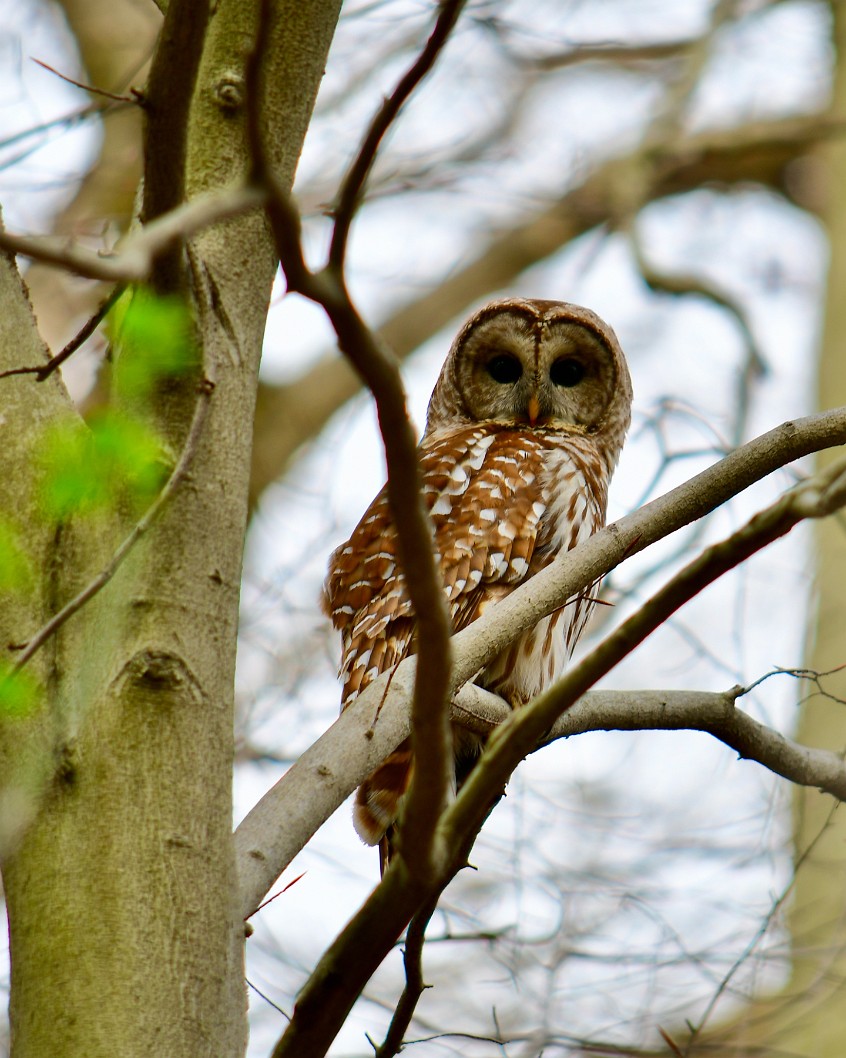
pixel 533 409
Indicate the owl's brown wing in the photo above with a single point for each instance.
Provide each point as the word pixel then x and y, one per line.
pixel 366 597
pixel 482 486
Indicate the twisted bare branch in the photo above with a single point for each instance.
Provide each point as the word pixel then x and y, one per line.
pixel 379 370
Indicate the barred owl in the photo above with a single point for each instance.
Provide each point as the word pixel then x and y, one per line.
pixel 524 429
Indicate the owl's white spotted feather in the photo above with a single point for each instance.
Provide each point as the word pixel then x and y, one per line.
pixel 515 469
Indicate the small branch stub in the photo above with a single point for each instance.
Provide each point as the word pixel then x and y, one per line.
pixel 229 93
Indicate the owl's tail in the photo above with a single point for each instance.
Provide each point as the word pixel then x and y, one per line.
pixel 379 798
pixel 378 801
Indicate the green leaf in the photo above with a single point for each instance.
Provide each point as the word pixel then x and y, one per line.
pixel 129 455
pixel 20 692
pixel 154 337
pixel 118 461
pixel 70 482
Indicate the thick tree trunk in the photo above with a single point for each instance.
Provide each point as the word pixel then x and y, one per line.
pixel 818 914
pixel 122 899
pixel 807 1017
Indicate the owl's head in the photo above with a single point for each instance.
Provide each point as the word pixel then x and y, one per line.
pixel 536 364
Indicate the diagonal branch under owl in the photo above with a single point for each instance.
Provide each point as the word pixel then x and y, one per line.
pixel 524 429
pixel 522 732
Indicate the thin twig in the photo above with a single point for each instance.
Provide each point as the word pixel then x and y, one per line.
pixel 802 674
pixel 267 999
pixel 43 371
pixel 275 896
pixel 178 474
pixel 135 99
pixel 352 187
pixel 612 52
pixel 71 119
pixel 41 130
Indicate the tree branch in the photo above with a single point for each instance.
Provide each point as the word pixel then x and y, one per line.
pixel 132 100
pixel 412 959
pixel 341 973
pixel 618 54
pixel 333 987
pixel 352 187
pixel 369 933
pixel 167 104
pixel 43 371
pixel 133 259
pixel 714 713
pixel 698 496
pixel 526 728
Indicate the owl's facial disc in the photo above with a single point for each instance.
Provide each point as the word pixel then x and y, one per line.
pixel 518 369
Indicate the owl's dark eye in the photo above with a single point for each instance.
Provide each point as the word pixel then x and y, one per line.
pixel 504 369
pixel 566 372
